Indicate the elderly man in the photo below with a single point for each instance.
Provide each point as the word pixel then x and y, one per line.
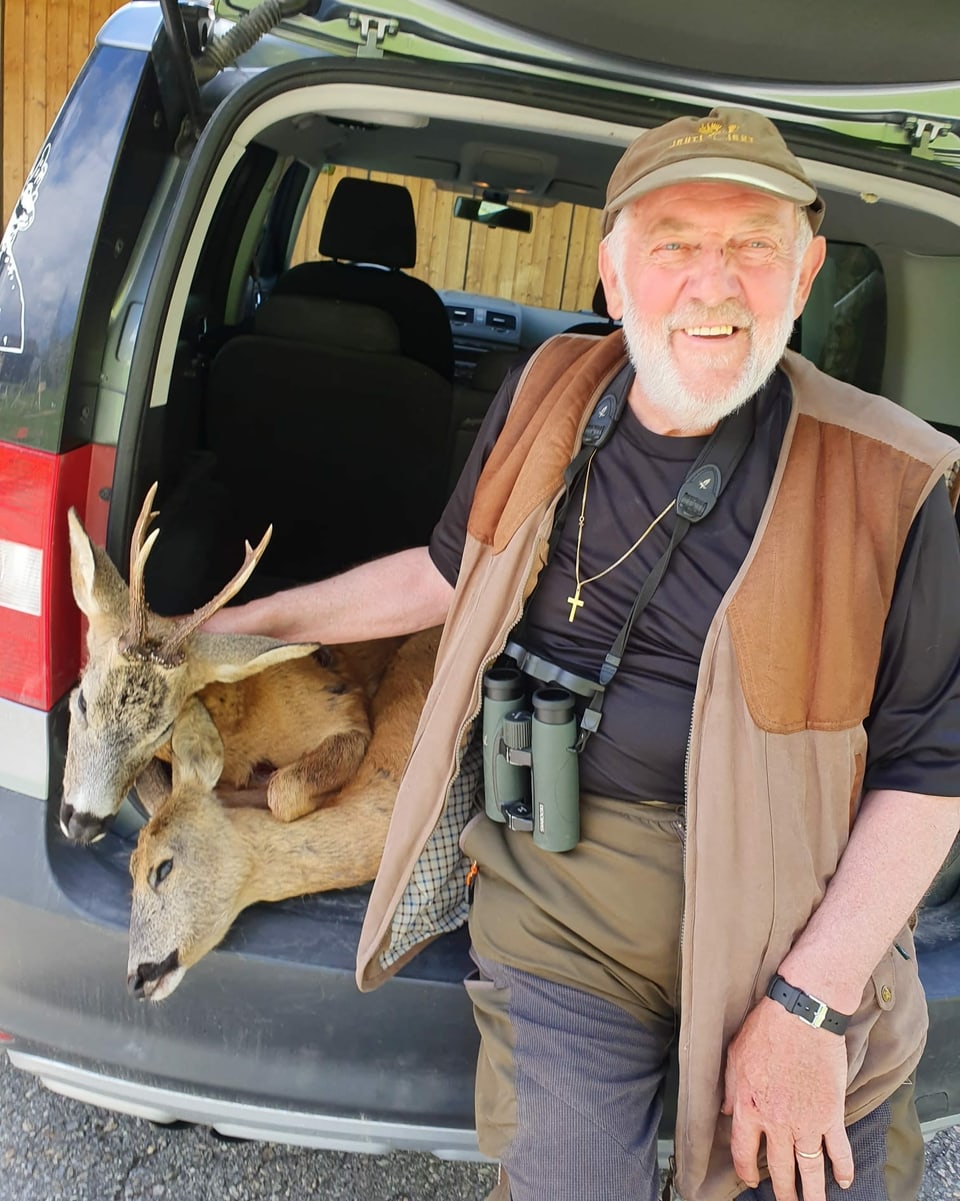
pixel 749 572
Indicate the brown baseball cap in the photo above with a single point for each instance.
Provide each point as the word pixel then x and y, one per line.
pixel 733 144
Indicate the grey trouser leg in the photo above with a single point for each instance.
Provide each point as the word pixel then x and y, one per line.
pixel 584 1089
pixel 578 958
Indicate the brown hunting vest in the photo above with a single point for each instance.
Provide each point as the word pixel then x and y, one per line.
pixel 777 743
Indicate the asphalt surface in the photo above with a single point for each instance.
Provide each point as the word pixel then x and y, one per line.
pixel 56 1149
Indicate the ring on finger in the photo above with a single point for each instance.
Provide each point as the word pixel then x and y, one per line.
pixel 808 1154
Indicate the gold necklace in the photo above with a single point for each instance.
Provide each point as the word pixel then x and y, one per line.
pixel 574 601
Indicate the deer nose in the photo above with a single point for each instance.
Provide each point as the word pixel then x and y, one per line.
pixel 136 982
pixel 82 828
pixel 145 974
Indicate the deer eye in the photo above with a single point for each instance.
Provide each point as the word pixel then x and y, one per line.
pixel 82 703
pixel 160 872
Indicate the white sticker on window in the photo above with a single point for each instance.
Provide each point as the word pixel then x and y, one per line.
pixel 11 288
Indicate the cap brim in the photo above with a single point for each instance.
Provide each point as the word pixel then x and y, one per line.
pixel 730 170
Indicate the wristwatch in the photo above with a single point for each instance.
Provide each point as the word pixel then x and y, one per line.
pixel 809 1009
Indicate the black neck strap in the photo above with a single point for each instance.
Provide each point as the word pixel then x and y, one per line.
pixel 696 499
pixel 599 429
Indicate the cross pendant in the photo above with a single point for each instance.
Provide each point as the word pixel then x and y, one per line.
pixel 575 603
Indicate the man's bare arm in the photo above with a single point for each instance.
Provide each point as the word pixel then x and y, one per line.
pixel 399 594
pixel 785 1080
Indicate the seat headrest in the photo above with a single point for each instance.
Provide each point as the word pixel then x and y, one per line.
pixel 599 302
pixel 370 222
pixel 338 325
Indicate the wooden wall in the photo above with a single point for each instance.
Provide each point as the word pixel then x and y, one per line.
pixel 45 43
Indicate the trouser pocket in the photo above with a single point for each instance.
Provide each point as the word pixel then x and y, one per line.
pixel 496 1092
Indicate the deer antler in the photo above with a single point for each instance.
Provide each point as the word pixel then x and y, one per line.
pixel 135 636
pixel 170 649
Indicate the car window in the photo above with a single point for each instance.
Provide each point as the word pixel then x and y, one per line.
pixel 843 327
pixel 554 265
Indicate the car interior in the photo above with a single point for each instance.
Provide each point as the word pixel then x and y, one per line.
pixel 339 332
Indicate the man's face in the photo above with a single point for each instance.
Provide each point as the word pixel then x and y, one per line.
pixel 708 281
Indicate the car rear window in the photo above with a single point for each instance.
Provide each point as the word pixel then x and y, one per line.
pixel 842 330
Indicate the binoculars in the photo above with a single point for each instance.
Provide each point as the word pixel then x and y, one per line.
pixel 531 777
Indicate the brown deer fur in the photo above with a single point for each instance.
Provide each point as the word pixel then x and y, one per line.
pixel 296 712
pixel 198 863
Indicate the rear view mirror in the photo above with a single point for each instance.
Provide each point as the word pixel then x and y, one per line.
pixel 493 213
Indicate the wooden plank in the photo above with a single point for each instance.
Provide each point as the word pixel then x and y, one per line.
pixel 451 245
pixel 555 260
pixel 77 32
pixel 580 277
pixel 100 10
pixel 430 250
pixel 14 20
pixel 477 260
pixel 459 250
pixel 506 282
pixel 34 96
pixel 528 268
pixel 58 76
pixel 429 255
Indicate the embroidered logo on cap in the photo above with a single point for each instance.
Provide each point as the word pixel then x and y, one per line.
pixel 716 131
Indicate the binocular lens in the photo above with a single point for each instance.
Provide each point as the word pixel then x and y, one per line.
pixel 553 705
pixel 503 684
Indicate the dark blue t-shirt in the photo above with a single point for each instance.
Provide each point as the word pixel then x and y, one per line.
pixel 640 748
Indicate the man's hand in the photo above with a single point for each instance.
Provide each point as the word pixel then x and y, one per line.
pixel 786 1081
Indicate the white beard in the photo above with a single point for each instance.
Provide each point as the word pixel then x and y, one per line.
pixel 658 377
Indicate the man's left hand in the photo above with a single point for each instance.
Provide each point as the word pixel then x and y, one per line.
pixel 786 1081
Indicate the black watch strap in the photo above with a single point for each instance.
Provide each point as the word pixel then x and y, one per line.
pixel 809 1009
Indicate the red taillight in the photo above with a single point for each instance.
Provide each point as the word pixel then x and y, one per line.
pixel 40 646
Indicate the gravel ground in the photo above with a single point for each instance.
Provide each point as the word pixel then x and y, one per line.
pixel 55 1149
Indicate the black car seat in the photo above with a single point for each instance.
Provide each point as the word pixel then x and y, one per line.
pixel 604 324
pixel 322 428
pixel 370 233
pixel 472 399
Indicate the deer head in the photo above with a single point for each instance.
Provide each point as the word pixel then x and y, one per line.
pixel 141 671
pixel 188 869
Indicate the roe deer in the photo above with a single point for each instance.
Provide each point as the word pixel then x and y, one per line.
pixel 297 711
pixel 198 863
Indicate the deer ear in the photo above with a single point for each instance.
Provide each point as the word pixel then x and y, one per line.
pixel 226 658
pixel 197 748
pixel 100 593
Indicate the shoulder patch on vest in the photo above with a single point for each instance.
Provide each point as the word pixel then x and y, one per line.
pixel 807 620
pixel 539 437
